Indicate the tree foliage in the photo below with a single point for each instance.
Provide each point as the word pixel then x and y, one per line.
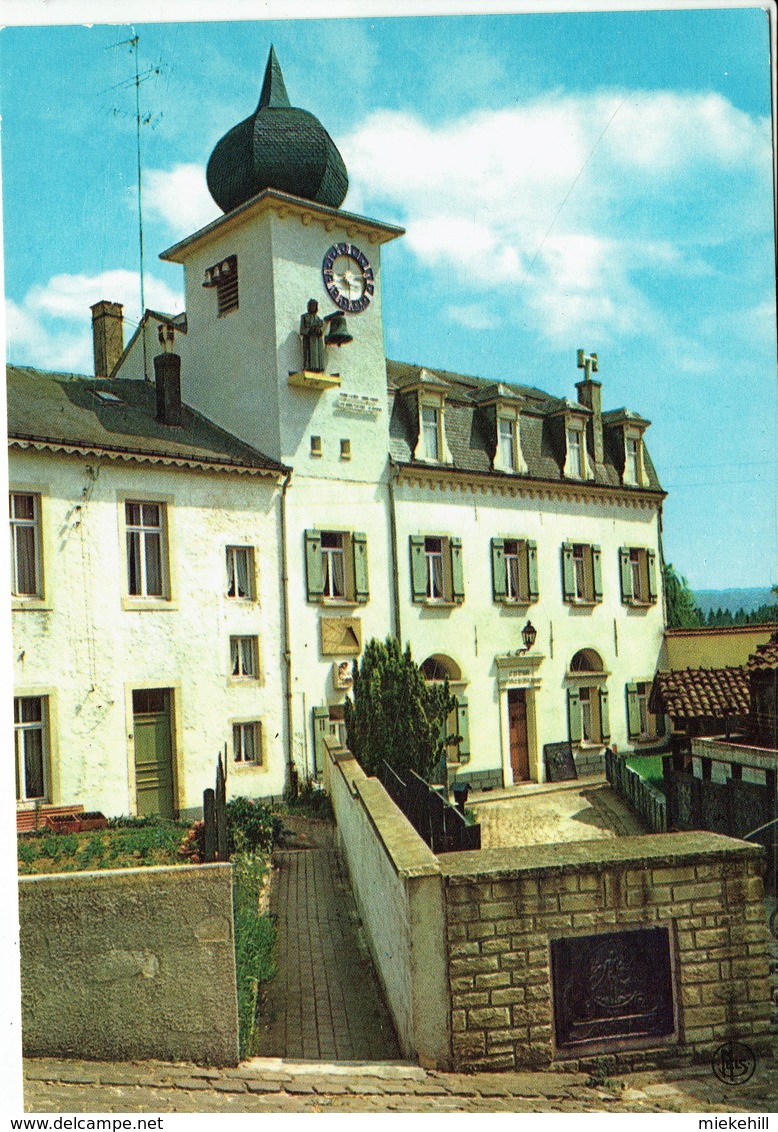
pixel 395 715
pixel 682 609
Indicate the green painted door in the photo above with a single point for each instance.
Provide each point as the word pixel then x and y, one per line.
pixel 153 752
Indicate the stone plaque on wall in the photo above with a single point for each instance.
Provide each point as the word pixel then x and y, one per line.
pixel 560 764
pixel 341 636
pixel 612 987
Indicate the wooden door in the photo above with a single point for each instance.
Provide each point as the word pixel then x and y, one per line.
pixel 517 725
pixel 153 752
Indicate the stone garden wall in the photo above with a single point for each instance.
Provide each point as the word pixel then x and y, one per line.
pixel 130 963
pixel 506 908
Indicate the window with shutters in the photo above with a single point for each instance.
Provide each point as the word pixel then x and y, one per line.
pixel 244 658
pixel 435 670
pixel 223 278
pixel 642 724
pixel 31 742
pixel 638 575
pixel 240 572
pixel 247 743
pixel 146 548
pixel 514 571
pixel 336 567
pixel 587 700
pixel 26 563
pixel 581 573
pixel 436 569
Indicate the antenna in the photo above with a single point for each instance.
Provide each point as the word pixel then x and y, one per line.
pixel 148 119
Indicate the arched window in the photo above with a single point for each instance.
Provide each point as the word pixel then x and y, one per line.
pixel 587 700
pixel 435 669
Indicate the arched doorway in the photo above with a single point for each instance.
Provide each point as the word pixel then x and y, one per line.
pixel 435 669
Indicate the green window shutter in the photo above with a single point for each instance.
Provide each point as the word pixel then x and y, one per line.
pixel 574 715
pixel 457 574
pixel 359 550
pixel 653 591
pixel 532 571
pixel 605 717
pixel 313 565
pixel 463 730
pixel 568 573
pixel 626 574
pixel 633 711
pixel 597 572
pixel 418 568
pixel 499 583
pixel 321 727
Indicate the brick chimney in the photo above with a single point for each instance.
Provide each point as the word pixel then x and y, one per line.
pixel 167 377
pixel 108 336
pixel 590 394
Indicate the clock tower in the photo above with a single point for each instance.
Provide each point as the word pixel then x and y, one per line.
pixel 285 344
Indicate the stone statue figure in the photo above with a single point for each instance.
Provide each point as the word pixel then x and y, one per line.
pixel 312 334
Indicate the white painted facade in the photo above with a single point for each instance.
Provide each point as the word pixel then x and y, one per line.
pixel 87 645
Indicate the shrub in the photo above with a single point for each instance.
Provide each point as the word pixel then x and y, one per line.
pixel 26 851
pixel 311 801
pixel 251 825
pixel 255 937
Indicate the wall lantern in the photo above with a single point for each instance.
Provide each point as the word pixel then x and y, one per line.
pixel 528 635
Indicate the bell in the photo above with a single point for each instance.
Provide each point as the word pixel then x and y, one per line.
pixel 337 333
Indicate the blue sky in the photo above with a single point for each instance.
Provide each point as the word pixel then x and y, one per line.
pixel 570 180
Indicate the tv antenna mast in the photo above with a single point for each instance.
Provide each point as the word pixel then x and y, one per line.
pixel 140 120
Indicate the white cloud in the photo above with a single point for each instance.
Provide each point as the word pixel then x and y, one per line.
pixel 572 206
pixel 52 328
pixel 473 316
pixel 179 197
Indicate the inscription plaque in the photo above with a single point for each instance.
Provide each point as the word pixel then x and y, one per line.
pixel 612 987
pixel 560 765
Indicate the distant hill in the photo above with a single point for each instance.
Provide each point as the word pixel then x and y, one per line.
pixel 747 599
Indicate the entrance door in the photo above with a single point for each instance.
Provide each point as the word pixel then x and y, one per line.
pixel 517 725
pixel 151 717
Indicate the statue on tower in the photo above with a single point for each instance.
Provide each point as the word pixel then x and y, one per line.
pixel 312 334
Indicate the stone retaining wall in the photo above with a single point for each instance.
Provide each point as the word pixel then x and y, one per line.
pixel 504 907
pixel 130 963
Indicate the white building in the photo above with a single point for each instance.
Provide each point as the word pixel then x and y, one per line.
pixel 446 510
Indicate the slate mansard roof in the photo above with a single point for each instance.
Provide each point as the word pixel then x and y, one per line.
pixel 467 430
pixel 63 412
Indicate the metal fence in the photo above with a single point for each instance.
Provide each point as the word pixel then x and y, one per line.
pixel 644 798
pixel 433 817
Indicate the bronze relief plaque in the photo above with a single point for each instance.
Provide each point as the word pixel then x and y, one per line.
pixel 613 986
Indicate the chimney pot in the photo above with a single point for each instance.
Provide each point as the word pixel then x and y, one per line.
pixel 107 336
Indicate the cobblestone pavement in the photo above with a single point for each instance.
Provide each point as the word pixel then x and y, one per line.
pixel 588 809
pixel 275 1085
pixel 325 1003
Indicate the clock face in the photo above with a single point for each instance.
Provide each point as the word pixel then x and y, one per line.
pixel 348 278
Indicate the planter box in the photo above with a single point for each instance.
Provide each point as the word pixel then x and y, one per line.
pixel 29 820
pixel 76 823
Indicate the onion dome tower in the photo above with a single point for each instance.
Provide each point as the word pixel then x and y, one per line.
pixel 279 147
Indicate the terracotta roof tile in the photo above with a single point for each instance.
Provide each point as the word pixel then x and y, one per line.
pixel 764 656
pixel 713 693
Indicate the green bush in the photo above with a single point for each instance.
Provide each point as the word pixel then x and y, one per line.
pixel 26 851
pixel 255 937
pixel 310 801
pixel 251 825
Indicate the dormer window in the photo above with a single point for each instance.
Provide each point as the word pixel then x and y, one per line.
pixel 633 459
pixel 506 443
pixel 430 428
pixel 575 465
pixel 223 277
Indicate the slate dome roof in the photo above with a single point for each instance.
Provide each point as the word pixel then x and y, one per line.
pixel 278 147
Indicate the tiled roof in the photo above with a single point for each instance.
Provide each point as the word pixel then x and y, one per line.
pixel 63 410
pixel 764 656
pixel 696 693
pixel 542 444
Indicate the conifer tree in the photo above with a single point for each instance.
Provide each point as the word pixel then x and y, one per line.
pixel 682 610
pixel 395 715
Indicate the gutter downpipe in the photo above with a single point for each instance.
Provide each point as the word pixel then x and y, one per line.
pixel 291 772
pixel 394 472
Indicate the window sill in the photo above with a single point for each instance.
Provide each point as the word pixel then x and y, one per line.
pixel 437 602
pixel 241 768
pixel 644 740
pixel 634 603
pixel 22 604
pixel 139 604
pixel 515 602
pixel 240 600
pixel 239 680
pixel 339 602
pixel 583 602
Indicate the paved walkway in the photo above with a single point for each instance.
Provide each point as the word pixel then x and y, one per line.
pixel 282 1086
pixel 536 814
pixel 325 1003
